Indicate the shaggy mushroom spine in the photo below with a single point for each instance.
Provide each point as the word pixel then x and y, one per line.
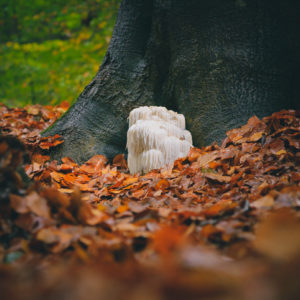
pixel 156 137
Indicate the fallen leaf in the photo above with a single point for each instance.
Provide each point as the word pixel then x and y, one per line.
pixel 19 204
pixel 217 177
pixel 204 160
pixel 256 136
pixel 162 184
pixel 278 235
pixel 90 216
pixel 120 161
pixel 167 239
pixel 38 205
pixel 57 239
pixel 266 201
pixel 130 180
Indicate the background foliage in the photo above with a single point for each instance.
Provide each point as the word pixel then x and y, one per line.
pixel 50 50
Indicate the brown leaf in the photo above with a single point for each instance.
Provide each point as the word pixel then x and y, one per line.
pixel 30 222
pixel 219 208
pixel 19 204
pixel 55 198
pixel 38 205
pixel 89 169
pixel 90 216
pixel 167 239
pixel 276 146
pixel 59 239
pixel 3 147
pixel 249 147
pixel 125 227
pixel 266 201
pixel 51 141
pixel 256 136
pixel 294 141
pixel 120 161
pixel 278 235
pixel 99 161
pixel 206 158
pixel 252 131
pixel 194 154
pixel 228 153
pixel 209 230
pixel 217 177
pixel 138 194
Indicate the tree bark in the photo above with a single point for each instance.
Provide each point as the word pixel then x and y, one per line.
pixel 217 62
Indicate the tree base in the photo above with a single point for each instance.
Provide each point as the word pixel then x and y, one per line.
pixel 217 62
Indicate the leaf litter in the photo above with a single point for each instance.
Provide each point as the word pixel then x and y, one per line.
pixel 217 223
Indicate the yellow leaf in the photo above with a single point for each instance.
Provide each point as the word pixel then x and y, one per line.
pixel 282 151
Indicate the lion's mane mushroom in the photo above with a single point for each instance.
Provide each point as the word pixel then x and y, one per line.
pixel 155 138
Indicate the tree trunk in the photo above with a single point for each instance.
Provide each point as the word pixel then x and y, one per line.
pixel 217 62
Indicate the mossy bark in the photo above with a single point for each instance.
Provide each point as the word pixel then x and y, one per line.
pixel 217 62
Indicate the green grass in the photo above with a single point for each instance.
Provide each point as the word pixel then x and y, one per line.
pixel 49 71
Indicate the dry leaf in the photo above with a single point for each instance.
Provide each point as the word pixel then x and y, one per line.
pixel 266 201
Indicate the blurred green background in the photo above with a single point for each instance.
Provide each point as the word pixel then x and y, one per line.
pixel 51 49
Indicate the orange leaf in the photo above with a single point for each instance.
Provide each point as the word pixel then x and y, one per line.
pixel 69 161
pixel 214 164
pixel 167 239
pixel 68 180
pixel 162 184
pixel 122 208
pixel 39 158
pixel 219 208
pixel 130 180
pixel 66 168
pixel 56 176
pixel 120 161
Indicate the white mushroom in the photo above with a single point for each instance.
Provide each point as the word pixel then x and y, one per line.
pixel 155 138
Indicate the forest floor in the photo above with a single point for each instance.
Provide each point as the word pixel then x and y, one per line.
pixel 222 223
